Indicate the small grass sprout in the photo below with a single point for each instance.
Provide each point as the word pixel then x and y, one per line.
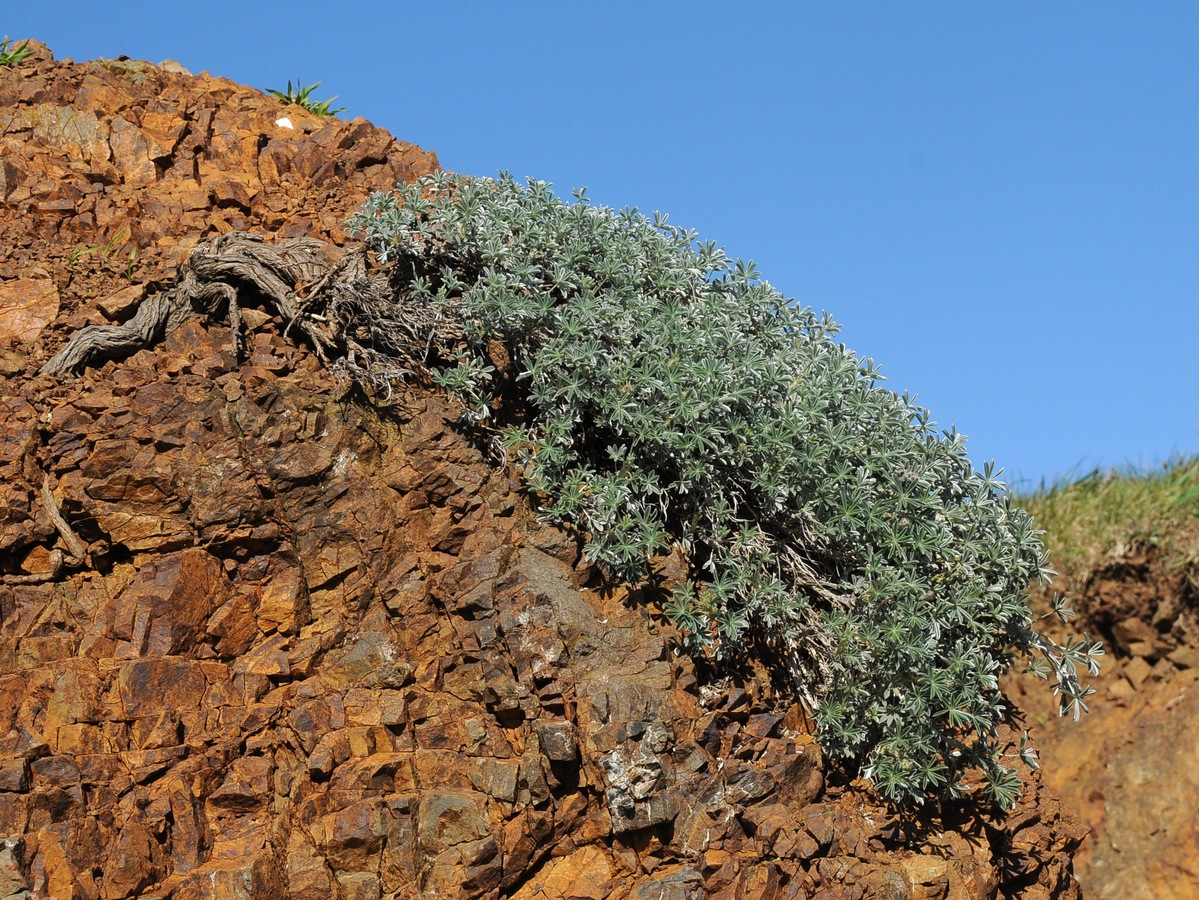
pixel 105 251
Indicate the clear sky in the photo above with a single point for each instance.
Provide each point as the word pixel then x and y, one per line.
pixel 999 202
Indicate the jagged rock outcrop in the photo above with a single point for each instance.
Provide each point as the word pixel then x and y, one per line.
pixel 260 640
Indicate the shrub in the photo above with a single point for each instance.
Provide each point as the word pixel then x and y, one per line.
pixel 674 399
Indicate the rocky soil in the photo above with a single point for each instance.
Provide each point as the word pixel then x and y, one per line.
pixel 1131 766
pixel 260 640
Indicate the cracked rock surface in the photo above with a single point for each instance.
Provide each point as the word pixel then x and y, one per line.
pixel 315 650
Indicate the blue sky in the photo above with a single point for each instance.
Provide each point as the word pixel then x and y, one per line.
pixel 999 202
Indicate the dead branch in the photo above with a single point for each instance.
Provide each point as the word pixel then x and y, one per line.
pixel 358 322
pixel 59 561
pixel 69 537
pixel 217 273
pixel 157 317
pixel 57 565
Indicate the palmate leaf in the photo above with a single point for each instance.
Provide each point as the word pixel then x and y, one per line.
pixel 1002 784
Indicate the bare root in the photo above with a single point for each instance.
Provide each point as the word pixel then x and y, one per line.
pixel 223 273
pixel 357 322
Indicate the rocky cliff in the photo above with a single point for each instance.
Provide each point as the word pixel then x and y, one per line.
pixel 258 639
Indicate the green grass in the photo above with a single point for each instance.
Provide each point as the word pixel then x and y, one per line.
pixel 1089 519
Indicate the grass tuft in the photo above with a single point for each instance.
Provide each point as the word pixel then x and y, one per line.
pixel 1087 520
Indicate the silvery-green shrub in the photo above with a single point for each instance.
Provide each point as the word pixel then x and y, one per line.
pixel 675 400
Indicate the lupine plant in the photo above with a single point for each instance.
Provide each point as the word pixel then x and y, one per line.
pixel 672 399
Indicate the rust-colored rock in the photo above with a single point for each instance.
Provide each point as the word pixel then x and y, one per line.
pixel 116 167
pixel 313 650
pixel 1131 766
pixel 27 305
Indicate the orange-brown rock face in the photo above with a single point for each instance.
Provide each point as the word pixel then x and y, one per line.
pixel 307 649
pixel 1131 766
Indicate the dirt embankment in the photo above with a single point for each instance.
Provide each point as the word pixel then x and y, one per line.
pixel 1131 766
pixel 257 640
